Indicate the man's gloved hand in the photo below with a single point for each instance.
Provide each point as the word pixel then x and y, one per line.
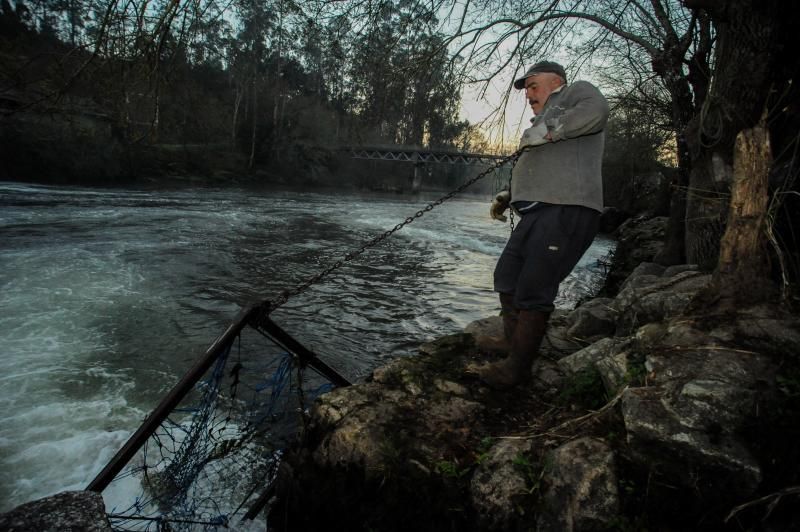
pixel 534 136
pixel 499 205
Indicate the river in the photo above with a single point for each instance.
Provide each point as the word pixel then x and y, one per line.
pixel 109 295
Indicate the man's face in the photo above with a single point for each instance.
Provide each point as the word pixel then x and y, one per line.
pixel 538 88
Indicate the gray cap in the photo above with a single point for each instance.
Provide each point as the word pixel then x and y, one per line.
pixel 541 66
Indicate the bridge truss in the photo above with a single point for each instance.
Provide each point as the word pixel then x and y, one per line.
pixel 419 156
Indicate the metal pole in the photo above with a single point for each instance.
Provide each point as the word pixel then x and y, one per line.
pixel 305 355
pixel 169 402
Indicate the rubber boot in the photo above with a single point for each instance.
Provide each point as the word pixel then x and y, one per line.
pixel 501 344
pixel 510 316
pixel 516 368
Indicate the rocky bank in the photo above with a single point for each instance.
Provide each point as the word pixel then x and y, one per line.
pixel 644 412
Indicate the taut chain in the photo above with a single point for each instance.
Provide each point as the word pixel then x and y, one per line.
pixel 302 287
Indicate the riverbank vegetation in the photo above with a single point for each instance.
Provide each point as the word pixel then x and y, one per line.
pixel 269 91
pixel 112 90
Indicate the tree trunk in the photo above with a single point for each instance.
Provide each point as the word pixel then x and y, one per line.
pixel 253 135
pixel 154 128
pixel 670 69
pixel 277 114
pixel 674 250
pixel 745 51
pixel 236 104
pixel 742 272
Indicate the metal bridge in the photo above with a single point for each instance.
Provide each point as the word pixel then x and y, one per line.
pixel 420 155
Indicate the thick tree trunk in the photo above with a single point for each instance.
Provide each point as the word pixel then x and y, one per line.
pixel 743 269
pixel 745 51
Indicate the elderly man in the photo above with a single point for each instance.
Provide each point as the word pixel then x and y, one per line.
pixel 557 189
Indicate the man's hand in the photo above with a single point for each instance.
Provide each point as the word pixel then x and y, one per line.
pixel 499 205
pixel 535 136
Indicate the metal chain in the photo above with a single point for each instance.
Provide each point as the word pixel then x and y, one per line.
pixel 302 287
pixel 510 177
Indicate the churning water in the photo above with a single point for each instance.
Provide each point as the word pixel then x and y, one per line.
pixel 109 295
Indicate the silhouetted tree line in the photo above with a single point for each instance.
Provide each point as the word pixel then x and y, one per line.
pixel 104 88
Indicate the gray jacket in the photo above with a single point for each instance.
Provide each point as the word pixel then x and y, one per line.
pixel 566 171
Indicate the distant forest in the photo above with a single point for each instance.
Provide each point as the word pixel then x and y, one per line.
pixel 106 91
pixel 260 80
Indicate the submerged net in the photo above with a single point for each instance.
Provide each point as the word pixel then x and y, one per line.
pixel 217 453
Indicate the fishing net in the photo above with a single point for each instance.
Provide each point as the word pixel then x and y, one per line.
pixel 217 453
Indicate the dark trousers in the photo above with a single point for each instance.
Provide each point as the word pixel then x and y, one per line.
pixel 541 251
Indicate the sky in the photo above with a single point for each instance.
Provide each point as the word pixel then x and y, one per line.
pixel 478 108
